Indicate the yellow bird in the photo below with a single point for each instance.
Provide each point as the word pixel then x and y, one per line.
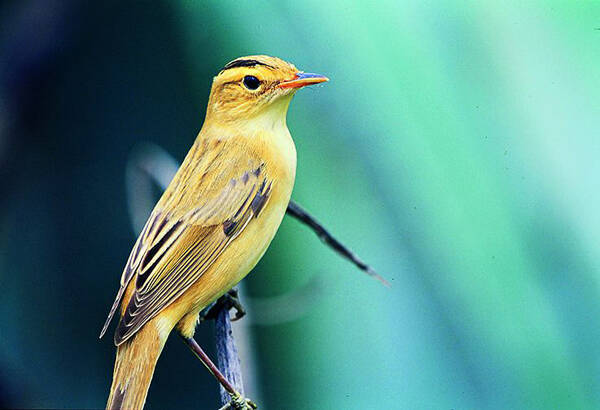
pixel 214 221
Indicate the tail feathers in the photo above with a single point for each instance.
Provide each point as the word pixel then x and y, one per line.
pixel 134 368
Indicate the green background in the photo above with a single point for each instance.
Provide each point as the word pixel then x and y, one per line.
pixel 456 149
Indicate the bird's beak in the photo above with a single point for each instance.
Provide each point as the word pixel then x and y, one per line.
pixel 303 79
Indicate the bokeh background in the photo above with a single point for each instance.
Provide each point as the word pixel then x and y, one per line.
pixel 456 149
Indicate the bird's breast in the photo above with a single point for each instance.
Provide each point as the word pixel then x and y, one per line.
pixel 276 153
pixel 277 150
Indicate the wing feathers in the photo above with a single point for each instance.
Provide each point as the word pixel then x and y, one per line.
pixel 173 252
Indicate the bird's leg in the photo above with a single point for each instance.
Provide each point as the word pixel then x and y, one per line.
pixel 227 301
pixel 238 402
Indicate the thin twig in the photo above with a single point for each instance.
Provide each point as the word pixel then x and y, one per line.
pixel 297 212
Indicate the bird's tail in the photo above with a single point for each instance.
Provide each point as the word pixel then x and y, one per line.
pixel 134 367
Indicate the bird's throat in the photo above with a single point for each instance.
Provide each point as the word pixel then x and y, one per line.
pixel 271 118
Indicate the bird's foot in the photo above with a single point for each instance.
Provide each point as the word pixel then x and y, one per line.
pixel 239 402
pixel 228 301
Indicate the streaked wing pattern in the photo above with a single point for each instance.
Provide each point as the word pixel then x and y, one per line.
pixel 173 252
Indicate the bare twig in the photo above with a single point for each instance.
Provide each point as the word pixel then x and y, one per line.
pixel 297 212
pixel 148 166
pixel 227 354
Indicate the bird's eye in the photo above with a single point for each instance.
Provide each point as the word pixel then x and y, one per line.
pixel 251 82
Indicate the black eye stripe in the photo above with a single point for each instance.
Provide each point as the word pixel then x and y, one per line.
pixel 244 63
pixel 251 82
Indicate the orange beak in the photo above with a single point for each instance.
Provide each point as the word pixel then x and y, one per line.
pixel 304 79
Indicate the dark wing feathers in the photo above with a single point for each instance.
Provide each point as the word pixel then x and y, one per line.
pixel 133 262
pixel 172 253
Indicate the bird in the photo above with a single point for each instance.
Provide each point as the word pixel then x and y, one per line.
pixel 212 224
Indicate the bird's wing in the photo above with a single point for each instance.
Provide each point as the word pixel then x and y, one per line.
pixel 173 252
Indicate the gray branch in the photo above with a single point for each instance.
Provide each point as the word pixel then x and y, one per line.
pixel 227 354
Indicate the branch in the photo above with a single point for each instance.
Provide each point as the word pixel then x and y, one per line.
pixel 297 212
pixel 227 354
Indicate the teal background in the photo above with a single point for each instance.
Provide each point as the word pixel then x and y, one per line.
pixel 456 149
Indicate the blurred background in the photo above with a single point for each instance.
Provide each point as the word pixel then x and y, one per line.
pixel 456 149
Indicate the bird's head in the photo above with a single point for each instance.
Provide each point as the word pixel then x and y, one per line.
pixel 256 87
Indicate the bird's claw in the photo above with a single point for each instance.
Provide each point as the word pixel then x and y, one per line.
pixel 238 402
pixel 232 300
pixel 228 301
